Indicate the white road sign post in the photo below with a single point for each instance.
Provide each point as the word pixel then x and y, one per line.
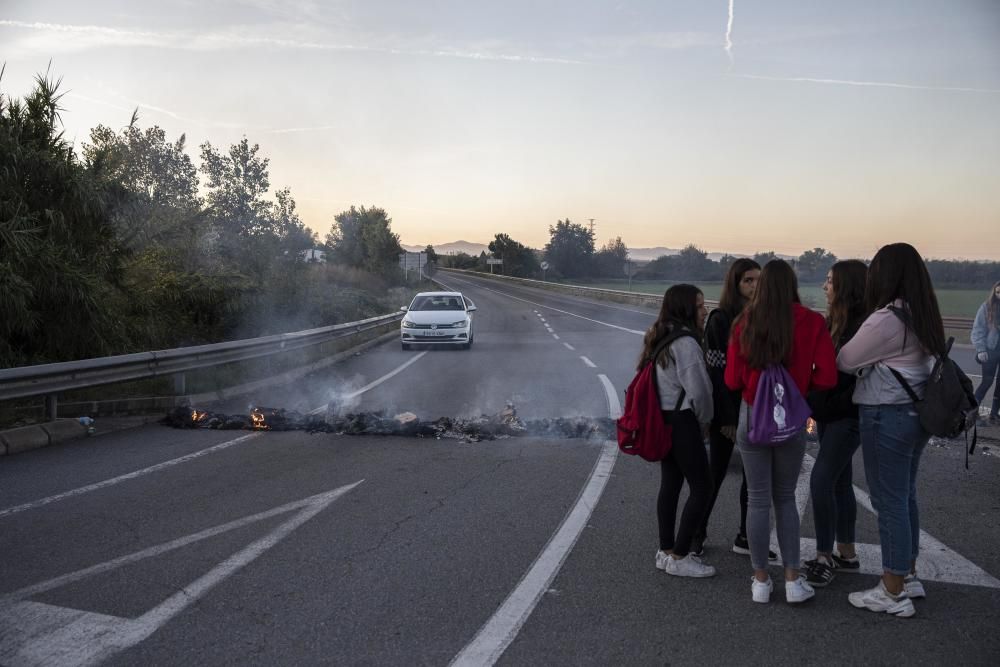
pixel 545 267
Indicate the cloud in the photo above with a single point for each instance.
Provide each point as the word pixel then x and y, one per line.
pixel 61 38
pixel 877 84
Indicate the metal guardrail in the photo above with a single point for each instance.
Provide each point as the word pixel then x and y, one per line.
pixel 964 323
pixel 51 379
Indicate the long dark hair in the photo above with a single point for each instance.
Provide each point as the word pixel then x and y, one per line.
pixel 993 306
pixel 848 278
pixel 768 324
pixel 898 272
pixel 679 308
pixel 732 301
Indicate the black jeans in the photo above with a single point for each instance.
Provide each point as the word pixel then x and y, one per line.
pixel 831 484
pixel 686 461
pixel 721 452
pixel 990 369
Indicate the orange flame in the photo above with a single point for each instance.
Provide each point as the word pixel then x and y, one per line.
pixel 257 419
pixel 197 416
pixel 811 426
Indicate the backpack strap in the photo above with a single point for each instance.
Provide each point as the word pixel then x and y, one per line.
pixel 906 385
pixel 667 341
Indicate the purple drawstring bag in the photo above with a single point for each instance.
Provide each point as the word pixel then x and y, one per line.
pixel 779 412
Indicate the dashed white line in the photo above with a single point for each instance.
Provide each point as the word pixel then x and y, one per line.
pixel 588 362
pixel 570 347
pixel 556 336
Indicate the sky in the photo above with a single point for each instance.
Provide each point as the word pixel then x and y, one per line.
pixel 737 126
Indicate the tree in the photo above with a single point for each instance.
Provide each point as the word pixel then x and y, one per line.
pixel 363 237
pixel 518 259
pixel 813 264
pixel 692 263
pixel 155 180
pixel 238 182
pixel 432 257
pixel 611 258
pixel 60 260
pixel 763 258
pixel 570 249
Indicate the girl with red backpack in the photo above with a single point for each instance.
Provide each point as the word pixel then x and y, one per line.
pixel 786 349
pixel 685 394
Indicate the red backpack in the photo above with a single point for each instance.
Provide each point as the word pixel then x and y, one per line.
pixel 641 429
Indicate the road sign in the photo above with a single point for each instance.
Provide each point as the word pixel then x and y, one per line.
pixel 491 260
pixel 545 266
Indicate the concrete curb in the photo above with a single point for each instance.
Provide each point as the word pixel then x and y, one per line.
pixel 26 438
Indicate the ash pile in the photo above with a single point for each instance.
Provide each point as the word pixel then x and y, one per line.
pixel 506 424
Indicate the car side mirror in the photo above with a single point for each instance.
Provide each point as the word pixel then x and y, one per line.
pixel 403 308
pixel 470 309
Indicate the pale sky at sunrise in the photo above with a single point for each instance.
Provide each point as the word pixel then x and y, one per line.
pixel 737 126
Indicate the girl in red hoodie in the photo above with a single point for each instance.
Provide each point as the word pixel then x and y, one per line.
pixel 776 329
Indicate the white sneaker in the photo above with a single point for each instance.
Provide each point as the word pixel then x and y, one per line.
pixel 661 560
pixel 914 587
pixel 798 590
pixel 689 566
pixel 878 599
pixel 761 590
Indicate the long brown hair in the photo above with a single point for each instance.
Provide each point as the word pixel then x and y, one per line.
pixel 847 278
pixel 993 307
pixel 898 271
pixel 732 301
pixel 768 324
pixel 679 308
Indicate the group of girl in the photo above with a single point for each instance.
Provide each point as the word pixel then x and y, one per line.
pixel 843 366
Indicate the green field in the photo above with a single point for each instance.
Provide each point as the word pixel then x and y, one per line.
pixel 954 302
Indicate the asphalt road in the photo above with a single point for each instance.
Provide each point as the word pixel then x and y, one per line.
pixel 163 547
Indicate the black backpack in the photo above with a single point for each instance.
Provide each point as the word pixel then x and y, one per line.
pixel 949 407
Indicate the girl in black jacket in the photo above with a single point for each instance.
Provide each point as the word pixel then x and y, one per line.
pixel 738 289
pixel 836 415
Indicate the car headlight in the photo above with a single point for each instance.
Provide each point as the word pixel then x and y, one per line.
pixel 407 324
pixel 459 324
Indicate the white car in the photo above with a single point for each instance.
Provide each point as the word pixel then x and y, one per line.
pixel 438 318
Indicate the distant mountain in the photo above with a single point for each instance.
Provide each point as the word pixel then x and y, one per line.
pixel 451 248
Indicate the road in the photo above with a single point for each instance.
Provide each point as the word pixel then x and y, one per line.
pixel 162 547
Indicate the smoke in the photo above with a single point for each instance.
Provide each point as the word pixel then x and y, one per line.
pixel 729 35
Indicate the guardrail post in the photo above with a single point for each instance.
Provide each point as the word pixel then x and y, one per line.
pixel 180 386
pixel 51 407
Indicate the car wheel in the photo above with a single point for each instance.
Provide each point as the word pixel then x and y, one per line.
pixel 406 346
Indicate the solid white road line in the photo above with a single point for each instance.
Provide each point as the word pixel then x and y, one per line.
pixel 34 633
pixel 570 347
pixel 188 457
pixel 588 362
pixel 501 629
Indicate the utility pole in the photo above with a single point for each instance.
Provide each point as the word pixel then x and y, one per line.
pixel 591 226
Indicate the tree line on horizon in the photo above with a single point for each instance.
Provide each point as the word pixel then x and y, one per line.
pixel 571 254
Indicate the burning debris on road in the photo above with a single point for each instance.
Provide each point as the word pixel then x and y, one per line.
pixel 486 427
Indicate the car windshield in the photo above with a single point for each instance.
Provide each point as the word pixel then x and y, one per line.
pixel 437 302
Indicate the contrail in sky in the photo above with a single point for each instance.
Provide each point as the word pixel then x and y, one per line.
pixel 877 84
pixel 729 34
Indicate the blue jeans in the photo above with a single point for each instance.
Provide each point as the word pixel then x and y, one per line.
pixel 991 370
pixel 831 484
pixel 892 441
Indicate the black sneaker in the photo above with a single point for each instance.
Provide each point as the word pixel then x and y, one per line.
pixel 819 573
pixel 846 563
pixel 741 546
pixel 697 546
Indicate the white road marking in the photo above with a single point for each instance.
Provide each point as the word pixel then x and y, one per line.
pixel 501 629
pixel 564 312
pixel 588 362
pixel 41 634
pixel 936 562
pixel 570 347
pixel 187 457
pixel 556 336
